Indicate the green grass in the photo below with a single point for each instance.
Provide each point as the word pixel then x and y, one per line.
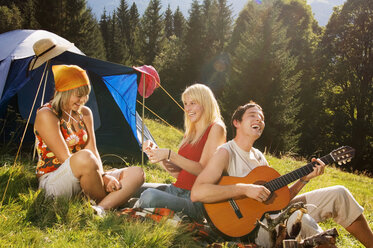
pixel 27 219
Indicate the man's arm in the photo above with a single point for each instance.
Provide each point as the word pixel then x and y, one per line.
pixel 206 190
pixel 318 170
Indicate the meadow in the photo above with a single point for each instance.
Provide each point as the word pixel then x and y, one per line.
pixel 28 219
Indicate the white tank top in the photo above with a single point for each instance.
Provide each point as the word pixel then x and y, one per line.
pixel 242 162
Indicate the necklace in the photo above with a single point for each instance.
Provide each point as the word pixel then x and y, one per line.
pixel 70 117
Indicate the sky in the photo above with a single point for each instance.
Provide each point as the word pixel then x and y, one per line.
pixel 322 9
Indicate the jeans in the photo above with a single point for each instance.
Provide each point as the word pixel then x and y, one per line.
pixel 173 198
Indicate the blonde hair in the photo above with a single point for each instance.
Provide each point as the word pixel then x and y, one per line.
pixel 61 98
pixel 211 112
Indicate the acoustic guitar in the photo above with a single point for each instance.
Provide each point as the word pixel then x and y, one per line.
pixel 237 218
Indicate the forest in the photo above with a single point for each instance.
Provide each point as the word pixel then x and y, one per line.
pixel 315 83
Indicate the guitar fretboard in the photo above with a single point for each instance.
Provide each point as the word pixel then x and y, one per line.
pixel 284 180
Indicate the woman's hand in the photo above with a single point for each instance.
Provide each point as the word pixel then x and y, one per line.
pixel 318 169
pixel 148 145
pixel 158 154
pixel 111 184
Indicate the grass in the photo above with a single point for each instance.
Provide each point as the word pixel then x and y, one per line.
pixel 28 219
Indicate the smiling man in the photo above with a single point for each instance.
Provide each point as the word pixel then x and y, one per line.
pixel 238 158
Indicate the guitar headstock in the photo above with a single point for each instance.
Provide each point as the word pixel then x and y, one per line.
pixel 343 154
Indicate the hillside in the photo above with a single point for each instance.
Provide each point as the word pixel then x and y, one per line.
pixel 27 219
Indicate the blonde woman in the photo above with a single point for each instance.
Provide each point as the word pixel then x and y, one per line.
pixel 204 133
pixel 68 158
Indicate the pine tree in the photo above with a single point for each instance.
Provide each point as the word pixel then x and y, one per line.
pixel 223 24
pixel 72 20
pixel 105 31
pixel 297 16
pixel 10 18
pixel 169 66
pixel 179 23
pixel 123 20
pixel 134 45
pixel 168 22
pixel 152 31
pixel 263 70
pixel 194 45
pixel 346 69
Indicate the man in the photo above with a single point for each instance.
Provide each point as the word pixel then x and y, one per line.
pixel 238 157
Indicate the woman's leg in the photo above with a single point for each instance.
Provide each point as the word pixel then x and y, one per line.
pixel 131 179
pixel 153 198
pixel 84 166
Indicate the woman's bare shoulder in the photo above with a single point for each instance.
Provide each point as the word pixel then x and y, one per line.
pixel 86 111
pixel 218 127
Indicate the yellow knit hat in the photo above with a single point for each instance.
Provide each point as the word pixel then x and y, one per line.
pixel 68 77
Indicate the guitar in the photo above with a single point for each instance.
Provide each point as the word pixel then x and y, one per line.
pixel 236 218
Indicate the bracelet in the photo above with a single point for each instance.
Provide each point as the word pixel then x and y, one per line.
pixel 303 181
pixel 169 155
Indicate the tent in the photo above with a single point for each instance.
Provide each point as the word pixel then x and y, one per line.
pixel 112 99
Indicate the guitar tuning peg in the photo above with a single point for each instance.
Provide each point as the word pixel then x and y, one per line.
pixel 343 156
pixel 340 163
pixel 343 150
pixel 344 161
pixel 349 160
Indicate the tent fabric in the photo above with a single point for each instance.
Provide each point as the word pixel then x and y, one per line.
pixel 112 98
pixel 17 44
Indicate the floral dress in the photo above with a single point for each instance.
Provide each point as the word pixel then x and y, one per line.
pixel 75 140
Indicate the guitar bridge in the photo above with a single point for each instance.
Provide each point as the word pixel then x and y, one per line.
pixel 235 208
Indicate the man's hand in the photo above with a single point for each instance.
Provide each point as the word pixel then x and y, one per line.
pixel 318 169
pixel 256 192
pixel 111 184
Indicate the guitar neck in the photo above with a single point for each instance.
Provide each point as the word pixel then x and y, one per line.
pixel 284 180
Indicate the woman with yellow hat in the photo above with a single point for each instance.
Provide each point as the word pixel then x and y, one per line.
pixel 68 158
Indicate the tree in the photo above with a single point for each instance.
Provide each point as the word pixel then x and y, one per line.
pixel 123 21
pixel 152 31
pixel 134 46
pixel 194 45
pixel 10 18
pixel 179 23
pixel 169 63
pixel 346 50
pixel 223 24
pixel 72 20
pixel 263 70
pixel 168 22
pixel 297 16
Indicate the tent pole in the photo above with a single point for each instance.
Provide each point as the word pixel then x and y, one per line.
pixel 23 135
pixel 142 122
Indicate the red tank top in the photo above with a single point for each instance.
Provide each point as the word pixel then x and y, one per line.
pixel 185 180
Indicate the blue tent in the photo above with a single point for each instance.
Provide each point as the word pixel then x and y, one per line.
pixel 112 99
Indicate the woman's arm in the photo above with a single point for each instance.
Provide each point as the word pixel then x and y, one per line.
pixel 216 137
pixel 48 126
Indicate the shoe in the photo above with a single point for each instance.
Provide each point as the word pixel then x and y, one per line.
pixel 98 210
